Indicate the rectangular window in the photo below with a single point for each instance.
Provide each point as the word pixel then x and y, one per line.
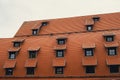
pixel 58 70
pixel 90 69
pixel 12 55
pixel 114 68
pixel 32 54
pixel 59 53
pixel 30 71
pixel 112 51
pixel 34 31
pixel 44 23
pixel 9 71
pixel 16 44
pixel 109 38
pixel 89 27
pixel 61 41
pixel 89 52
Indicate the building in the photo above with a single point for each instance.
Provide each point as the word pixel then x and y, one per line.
pixel 85 47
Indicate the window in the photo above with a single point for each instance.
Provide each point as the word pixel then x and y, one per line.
pixel 114 68
pixel 61 41
pixel 12 55
pixel 9 71
pixel 30 71
pixel 96 18
pixel 109 38
pixel 90 69
pixel 89 52
pixel 32 54
pixel 44 23
pixel 58 70
pixel 35 32
pixel 89 27
pixel 16 44
pixel 59 53
pixel 112 51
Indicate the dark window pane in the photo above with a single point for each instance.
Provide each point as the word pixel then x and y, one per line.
pixel 58 70
pixel 9 71
pixel 32 54
pixel 109 38
pixel 89 27
pixel 112 51
pixel 30 71
pixel 114 68
pixel 12 55
pixel 61 41
pixel 90 69
pixel 16 44
pixel 35 31
pixel 89 52
pixel 60 53
pixel 44 23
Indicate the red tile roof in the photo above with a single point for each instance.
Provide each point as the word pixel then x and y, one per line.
pixel 10 64
pixel 113 61
pixel 13 49
pixel 31 63
pixel 111 44
pixel 89 61
pixel 87 45
pixel 60 47
pixel 58 62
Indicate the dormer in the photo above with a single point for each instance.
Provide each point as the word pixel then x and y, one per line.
pixel 45 23
pixel 89 24
pixel 17 42
pixel 109 37
pixel 96 18
pixel 61 40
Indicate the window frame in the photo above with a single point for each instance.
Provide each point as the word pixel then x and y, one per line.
pixel 114 70
pixel 32 54
pixel 90 50
pixel 16 44
pixel 60 54
pixel 109 51
pixel 10 53
pixel 59 71
pixel 7 72
pixel 89 29
pixel 109 38
pixel 30 71
pixel 61 41
pixel 88 68
pixel 35 31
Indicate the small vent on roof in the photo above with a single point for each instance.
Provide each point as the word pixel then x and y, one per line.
pixel 96 18
pixel 44 23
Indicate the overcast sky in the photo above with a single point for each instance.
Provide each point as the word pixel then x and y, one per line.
pixel 14 12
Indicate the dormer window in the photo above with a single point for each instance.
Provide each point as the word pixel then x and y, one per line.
pixel 109 37
pixel 89 52
pixel 44 23
pixel 16 44
pixel 35 32
pixel 12 55
pixel 89 27
pixel 112 51
pixel 61 40
pixel 32 54
pixel 59 53
pixel 96 18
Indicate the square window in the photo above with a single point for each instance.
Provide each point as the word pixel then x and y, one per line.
pixel 32 54
pixel 109 38
pixel 35 32
pixel 12 55
pixel 16 44
pixel 9 71
pixel 112 51
pixel 114 68
pixel 90 69
pixel 89 27
pixel 58 70
pixel 30 71
pixel 61 41
pixel 44 23
pixel 59 53
pixel 89 52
